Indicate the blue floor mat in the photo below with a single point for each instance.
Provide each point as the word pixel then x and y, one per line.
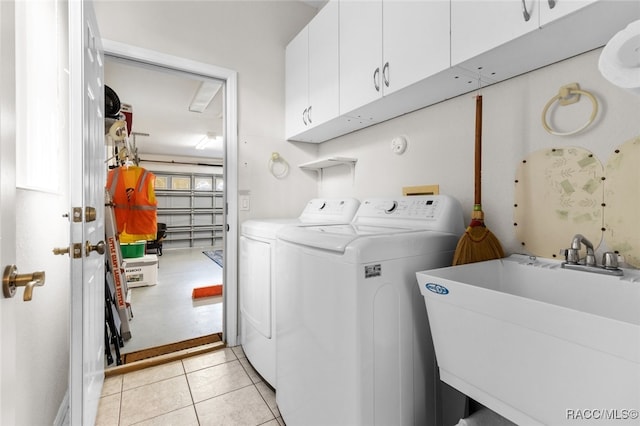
pixel 216 256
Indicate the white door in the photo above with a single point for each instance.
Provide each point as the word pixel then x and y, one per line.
pixel 7 213
pixel 88 177
pixel 38 71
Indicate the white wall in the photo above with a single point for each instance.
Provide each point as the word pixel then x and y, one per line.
pixel 250 38
pixel 441 141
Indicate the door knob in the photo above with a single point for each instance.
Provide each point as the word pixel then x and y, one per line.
pixel 11 280
pixel 88 248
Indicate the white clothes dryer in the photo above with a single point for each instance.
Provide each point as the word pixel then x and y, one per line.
pixel 257 277
pixel 354 345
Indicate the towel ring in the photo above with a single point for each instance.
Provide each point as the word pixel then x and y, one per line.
pixel 567 95
pixel 277 162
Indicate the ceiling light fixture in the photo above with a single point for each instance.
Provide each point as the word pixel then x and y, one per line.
pixel 205 93
pixel 207 140
pixel 210 136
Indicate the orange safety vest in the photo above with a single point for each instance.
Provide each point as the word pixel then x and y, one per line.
pixel 134 201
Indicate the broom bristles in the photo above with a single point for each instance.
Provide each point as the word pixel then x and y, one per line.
pixel 477 244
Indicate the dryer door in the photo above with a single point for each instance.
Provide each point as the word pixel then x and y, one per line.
pixel 255 284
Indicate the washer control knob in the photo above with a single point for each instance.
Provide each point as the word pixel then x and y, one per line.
pixel 390 206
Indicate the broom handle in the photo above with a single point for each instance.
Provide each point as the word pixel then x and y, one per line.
pixel 478 152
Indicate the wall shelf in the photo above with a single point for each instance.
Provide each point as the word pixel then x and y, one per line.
pixel 329 162
pixel 323 163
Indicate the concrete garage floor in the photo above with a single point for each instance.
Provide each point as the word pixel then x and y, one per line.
pixel 165 313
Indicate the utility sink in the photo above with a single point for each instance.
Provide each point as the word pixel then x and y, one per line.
pixel 538 344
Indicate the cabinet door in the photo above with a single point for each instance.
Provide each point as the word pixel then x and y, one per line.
pixel 324 70
pixel 297 83
pixel 479 26
pixel 415 41
pixel 551 10
pixel 360 53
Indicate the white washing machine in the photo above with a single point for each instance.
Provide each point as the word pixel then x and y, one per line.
pixel 257 276
pixel 354 345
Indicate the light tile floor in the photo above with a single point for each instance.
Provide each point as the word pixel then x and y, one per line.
pixel 217 388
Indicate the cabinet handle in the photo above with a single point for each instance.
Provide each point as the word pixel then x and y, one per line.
pixel 525 12
pixel 304 117
pixel 309 114
pixel 552 4
pixel 376 79
pixel 385 73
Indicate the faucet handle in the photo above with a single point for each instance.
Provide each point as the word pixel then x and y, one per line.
pixel 571 255
pixel 610 260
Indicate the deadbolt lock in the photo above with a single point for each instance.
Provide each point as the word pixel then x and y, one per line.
pixel 76 251
pixel 11 280
pixel 89 214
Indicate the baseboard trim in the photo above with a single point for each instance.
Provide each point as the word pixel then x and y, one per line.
pixel 130 357
pixel 163 359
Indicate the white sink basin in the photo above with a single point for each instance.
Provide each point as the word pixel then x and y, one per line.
pixel 537 343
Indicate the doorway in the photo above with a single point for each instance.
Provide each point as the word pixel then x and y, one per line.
pixel 169 162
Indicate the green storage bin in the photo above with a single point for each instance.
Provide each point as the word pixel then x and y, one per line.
pixel 133 250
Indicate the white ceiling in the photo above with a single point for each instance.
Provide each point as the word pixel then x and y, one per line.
pixel 160 107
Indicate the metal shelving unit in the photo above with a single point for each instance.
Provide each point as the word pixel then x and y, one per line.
pixel 191 204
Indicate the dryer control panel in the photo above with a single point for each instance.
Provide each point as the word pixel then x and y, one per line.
pixel 434 212
pixel 339 210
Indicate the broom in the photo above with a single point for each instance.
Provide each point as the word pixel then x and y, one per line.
pixel 477 243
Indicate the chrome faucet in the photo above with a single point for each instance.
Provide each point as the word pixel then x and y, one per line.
pixel 572 258
pixel 579 239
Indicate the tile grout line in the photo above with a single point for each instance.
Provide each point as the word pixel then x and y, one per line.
pixel 193 403
pixel 275 416
pixel 120 404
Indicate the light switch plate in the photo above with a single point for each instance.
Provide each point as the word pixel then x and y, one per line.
pixel 245 202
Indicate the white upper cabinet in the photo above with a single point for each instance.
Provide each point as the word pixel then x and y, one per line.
pixel 494 39
pixel 550 10
pixel 479 26
pixel 311 68
pixel 415 41
pixel 360 53
pixel 360 62
pixel 323 65
pixel 387 45
pixel 297 83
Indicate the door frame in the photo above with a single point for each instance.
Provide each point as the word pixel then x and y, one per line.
pixel 230 164
pixel 8 334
